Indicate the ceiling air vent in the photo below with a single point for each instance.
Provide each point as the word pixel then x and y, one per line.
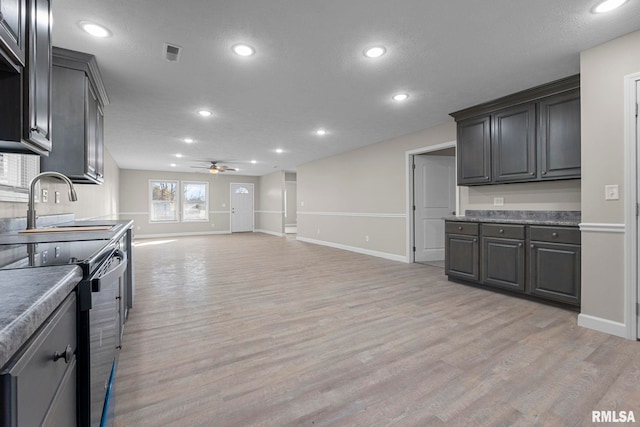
pixel 172 52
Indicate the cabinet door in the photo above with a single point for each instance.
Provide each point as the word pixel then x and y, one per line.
pixel 513 144
pixel 99 151
pixel 12 30
pixel 91 119
pixel 503 263
pixel 474 151
pixel 559 136
pixel 37 124
pixel 554 271
pixel 462 256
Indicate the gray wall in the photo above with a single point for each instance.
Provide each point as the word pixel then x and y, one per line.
pixel 357 200
pixel 94 201
pixel 602 91
pixel 134 201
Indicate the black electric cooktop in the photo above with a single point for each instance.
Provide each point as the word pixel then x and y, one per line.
pixel 26 255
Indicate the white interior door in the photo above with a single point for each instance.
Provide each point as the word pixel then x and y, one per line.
pixel 241 207
pixel 637 218
pixel 434 183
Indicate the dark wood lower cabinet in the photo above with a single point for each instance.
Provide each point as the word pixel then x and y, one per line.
pixel 461 259
pixel 554 271
pixel 542 261
pixel 503 263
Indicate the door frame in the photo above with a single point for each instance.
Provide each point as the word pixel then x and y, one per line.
pixel 410 197
pixel 253 204
pixel 632 168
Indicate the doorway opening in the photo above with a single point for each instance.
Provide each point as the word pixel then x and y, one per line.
pixel 432 195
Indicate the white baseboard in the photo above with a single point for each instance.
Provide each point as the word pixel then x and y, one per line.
pixel 195 233
pixel 385 255
pixel 273 233
pixel 602 325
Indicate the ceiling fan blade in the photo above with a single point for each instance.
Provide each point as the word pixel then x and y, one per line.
pixel 199 167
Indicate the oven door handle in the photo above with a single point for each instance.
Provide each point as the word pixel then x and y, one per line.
pixel 107 278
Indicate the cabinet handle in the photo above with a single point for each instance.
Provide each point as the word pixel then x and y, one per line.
pixel 66 355
pixel 501 231
pixel 554 234
pixel 533 246
pixel 475 240
pixel 459 228
pixel 544 173
pixel 519 245
pixel 531 173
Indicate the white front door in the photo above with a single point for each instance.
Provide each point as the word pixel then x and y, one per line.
pixel 241 207
pixel 434 183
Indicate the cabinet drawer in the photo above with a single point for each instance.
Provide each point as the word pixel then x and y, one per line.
pixel 33 379
pixel 555 234
pixel 503 230
pixel 470 228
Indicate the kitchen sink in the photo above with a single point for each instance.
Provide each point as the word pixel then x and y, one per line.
pixel 73 228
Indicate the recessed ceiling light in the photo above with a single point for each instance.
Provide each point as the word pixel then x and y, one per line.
pixel 188 140
pixel 608 5
pixel 321 132
pixel 400 97
pixel 205 113
pixel 243 49
pixel 279 150
pixel 173 165
pixel 253 162
pixel 178 155
pixel 94 29
pixel 375 51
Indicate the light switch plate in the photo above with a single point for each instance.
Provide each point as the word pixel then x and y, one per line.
pixel 498 201
pixel 45 196
pixel 611 192
pixel 57 194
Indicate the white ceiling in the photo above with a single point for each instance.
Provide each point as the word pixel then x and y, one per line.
pixel 309 70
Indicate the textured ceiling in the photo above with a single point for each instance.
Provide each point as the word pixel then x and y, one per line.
pixel 309 70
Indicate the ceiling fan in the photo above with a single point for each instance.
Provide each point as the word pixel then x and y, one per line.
pixel 214 167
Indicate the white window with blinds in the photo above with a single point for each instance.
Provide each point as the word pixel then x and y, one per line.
pixel 16 171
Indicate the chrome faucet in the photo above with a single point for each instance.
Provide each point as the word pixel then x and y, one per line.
pixel 31 209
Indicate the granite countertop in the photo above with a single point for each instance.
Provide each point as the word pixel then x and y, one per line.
pixel 557 218
pixel 29 296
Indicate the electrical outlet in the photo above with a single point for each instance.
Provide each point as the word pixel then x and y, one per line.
pixel 45 196
pixel 318 231
pixel 57 194
pixel 366 238
pixel 302 204
pixel 498 201
pixel 611 192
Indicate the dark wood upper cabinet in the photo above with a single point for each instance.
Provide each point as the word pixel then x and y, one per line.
pixel 474 151
pixel 13 32
pixel 25 113
pixel 37 114
pixel 532 135
pixel 513 144
pixel 78 98
pixel 559 136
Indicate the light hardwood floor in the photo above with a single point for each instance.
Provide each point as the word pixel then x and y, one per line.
pixel 256 330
